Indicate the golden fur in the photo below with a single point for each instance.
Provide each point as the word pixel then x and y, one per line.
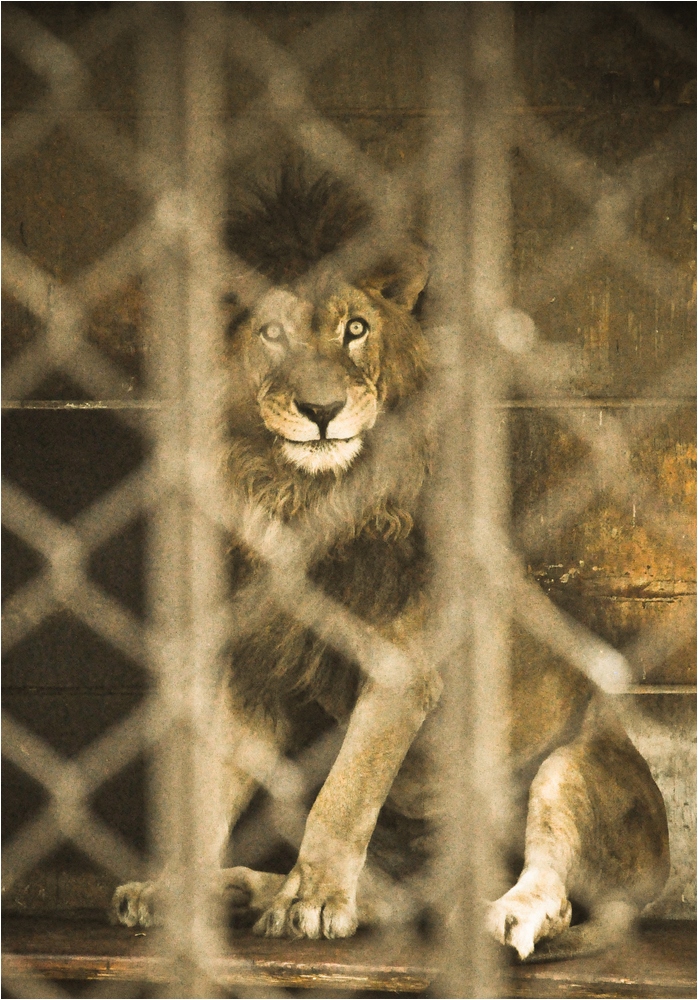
pixel 328 433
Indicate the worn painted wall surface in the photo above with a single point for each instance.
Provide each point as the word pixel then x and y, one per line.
pixel 604 85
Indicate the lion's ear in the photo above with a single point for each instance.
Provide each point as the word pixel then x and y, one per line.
pixel 401 280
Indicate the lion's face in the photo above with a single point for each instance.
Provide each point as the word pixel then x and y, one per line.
pixel 323 359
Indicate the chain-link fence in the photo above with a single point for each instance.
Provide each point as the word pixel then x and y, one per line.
pixel 178 162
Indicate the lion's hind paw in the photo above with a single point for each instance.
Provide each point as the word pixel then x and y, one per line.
pixel 133 904
pixel 536 907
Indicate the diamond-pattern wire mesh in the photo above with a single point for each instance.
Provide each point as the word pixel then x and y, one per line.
pixel 177 246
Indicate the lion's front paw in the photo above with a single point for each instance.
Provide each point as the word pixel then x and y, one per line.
pixel 310 904
pixel 537 907
pixel 133 904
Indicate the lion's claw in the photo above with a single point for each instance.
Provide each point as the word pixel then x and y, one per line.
pixel 329 918
pixel 309 904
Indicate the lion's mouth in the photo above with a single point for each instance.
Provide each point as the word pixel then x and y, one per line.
pixel 324 455
pixel 322 444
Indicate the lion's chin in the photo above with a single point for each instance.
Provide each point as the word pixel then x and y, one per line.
pixel 322 456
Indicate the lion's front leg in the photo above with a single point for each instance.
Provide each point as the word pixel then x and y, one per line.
pixel 318 897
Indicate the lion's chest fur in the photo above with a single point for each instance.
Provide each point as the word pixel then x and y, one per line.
pixel 373 577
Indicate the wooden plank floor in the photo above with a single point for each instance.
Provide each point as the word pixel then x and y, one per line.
pixel 659 962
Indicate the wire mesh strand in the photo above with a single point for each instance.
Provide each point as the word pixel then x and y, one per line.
pixel 178 164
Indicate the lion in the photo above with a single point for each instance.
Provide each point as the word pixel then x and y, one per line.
pixel 329 434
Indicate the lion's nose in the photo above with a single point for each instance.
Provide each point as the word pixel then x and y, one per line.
pixel 320 414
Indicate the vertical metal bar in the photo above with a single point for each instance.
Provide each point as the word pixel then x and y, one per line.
pixel 168 569
pixel 450 513
pixel 490 302
pixel 204 54
pixel 470 503
pixel 181 108
pixel 490 297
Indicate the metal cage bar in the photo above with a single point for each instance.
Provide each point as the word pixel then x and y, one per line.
pixel 178 163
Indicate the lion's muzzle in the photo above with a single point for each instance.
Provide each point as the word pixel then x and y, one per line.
pixel 321 414
pixel 320 436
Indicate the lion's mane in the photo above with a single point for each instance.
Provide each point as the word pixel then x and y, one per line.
pixel 363 529
pixel 286 226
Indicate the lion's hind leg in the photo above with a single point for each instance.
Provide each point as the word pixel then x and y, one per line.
pixel 596 827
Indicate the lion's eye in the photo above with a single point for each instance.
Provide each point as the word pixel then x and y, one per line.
pixel 355 329
pixel 272 332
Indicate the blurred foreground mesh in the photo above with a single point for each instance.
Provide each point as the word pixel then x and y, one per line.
pixel 562 301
